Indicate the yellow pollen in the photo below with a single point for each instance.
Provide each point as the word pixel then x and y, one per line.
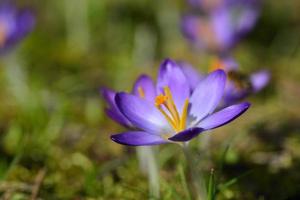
pixel 141 92
pixel 160 99
pixel 165 104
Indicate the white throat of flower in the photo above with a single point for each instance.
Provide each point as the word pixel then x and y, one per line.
pixel 166 105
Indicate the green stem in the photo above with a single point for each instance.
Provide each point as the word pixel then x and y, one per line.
pixel 204 145
pixel 195 179
pixel 16 84
pixel 148 165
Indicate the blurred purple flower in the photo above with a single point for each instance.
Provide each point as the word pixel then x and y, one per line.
pixel 206 4
pixel 15 24
pixel 238 86
pixel 176 113
pixel 209 5
pixel 223 26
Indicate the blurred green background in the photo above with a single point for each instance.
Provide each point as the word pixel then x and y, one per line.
pixel 55 140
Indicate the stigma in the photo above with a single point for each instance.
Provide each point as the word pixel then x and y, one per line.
pixel 166 105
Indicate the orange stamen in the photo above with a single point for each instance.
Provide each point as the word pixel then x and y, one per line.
pixel 160 99
pixel 177 122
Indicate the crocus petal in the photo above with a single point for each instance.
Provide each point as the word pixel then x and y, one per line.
pixel 189 25
pixel 137 138
pixel 224 29
pixel 233 94
pixel 226 23
pixel 249 12
pixel 259 80
pixel 199 32
pixel 207 95
pixel 186 135
pixel 113 111
pixel 25 23
pixel 146 84
pixel 192 75
pixel 108 95
pixel 224 116
pixel 17 24
pixel 194 2
pixel 229 64
pixel 171 75
pixel 206 5
pixel 118 117
pixel 142 114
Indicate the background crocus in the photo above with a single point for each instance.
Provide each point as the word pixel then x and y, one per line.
pixel 15 24
pixel 222 26
pixel 177 114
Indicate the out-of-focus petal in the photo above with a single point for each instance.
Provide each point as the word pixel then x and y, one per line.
pixel 113 111
pixel 15 25
pixel 144 87
pixel 188 26
pixel 137 138
pixel 226 23
pixel 229 64
pixel 206 5
pixel 207 95
pixel 186 135
pixel 224 116
pixel 224 29
pixel 108 95
pixel 142 114
pixel 171 75
pixel 233 94
pixel 192 75
pixel 259 80
pixel 197 31
pixel 248 12
pixel 25 22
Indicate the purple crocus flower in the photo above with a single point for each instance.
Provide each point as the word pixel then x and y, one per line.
pixel 15 24
pixel 238 86
pixel 223 27
pixel 177 113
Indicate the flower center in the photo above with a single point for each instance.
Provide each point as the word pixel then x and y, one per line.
pixel 165 104
pixel 3 33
